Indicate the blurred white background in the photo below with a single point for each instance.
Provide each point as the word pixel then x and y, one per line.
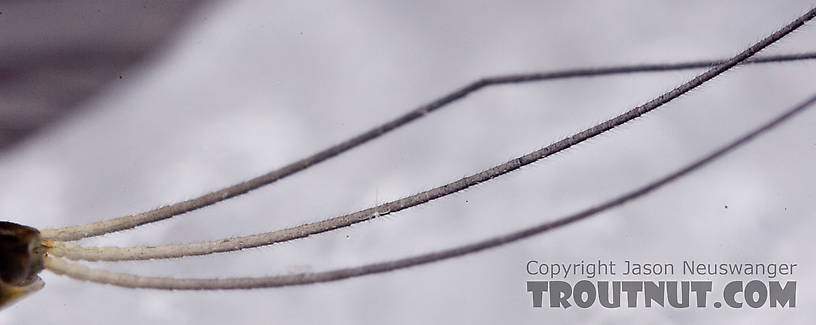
pixel 249 86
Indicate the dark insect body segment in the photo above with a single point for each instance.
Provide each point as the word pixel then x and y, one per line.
pixel 21 259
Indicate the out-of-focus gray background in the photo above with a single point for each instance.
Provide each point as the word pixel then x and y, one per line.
pixel 244 87
pixel 54 55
